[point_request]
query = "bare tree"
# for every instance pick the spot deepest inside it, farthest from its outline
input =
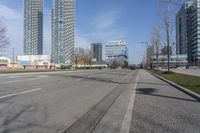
(156, 41)
(150, 52)
(4, 42)
(76, 56)
(83, 55)
(172, 2)
(168, 13)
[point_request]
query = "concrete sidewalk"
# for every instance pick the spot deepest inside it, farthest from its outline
(161, 108)
(193, 72)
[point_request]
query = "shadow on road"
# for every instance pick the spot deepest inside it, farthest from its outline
(107, 79)
(152, 91)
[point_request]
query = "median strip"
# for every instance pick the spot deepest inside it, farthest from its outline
(128, 116)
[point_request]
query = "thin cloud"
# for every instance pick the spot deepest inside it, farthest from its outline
(8, 13)
(81, 41)
(106, 20)
(105, 26)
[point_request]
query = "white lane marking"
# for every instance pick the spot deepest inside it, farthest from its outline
(10, 77)
(128, 116)
(21, 80)
(102, 74)
(14, 81)
(19, 93)
(79, 79)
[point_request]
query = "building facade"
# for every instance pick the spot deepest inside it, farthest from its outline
(33, 27)
(181, 28)
(4, 62)
(34, 61)
(63, 19)
(176, 61)
(116, 51)
(96, 49)
(188, 32)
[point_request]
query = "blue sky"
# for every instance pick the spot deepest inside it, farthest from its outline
(96, 21)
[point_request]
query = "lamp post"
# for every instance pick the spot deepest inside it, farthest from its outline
(13, 51)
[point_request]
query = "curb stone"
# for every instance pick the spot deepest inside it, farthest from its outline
(183, 89)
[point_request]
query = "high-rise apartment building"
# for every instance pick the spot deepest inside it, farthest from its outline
(33, 27)
(63, 19)
(96, 49)
(181, 29)
(188, 32)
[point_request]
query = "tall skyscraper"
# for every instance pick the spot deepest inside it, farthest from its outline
(33, 27)
(63, 19)
(188, 29)
(96, 49)
(181, 28)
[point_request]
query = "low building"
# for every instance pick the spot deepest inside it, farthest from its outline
(16, 65)
(4, 62)
(34, 61)
(92, 64)
(175, 61)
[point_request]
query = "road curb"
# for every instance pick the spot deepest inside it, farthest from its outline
(183, 89)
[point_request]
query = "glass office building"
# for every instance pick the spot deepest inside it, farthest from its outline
(188, 32)
(63, 20)
(181, 29)
(116, 50)
(33, 27)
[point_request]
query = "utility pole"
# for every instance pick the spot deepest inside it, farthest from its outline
(168, 48)
(13, 57)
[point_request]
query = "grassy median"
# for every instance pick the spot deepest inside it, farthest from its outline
(190, 82)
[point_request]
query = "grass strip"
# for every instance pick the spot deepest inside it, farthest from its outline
(190, 82)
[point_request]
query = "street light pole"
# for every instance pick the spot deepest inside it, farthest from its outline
(13, 57)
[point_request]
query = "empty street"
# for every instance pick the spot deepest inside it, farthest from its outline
(98, 101)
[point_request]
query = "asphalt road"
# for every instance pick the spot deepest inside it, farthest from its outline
(97, 101)
(52, 102)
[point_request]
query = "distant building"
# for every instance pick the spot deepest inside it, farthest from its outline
(34, 61)
(116, 51)
(63, 20)
(33, 27)
(181, 28)
(4, 62)
(188, 29)
(175, 61)
(96, 49)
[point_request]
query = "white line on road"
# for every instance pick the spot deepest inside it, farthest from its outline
(79, 79)
(14, 81)
(10, 77)
(128, 116)
(19, 93)
(22, 80)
